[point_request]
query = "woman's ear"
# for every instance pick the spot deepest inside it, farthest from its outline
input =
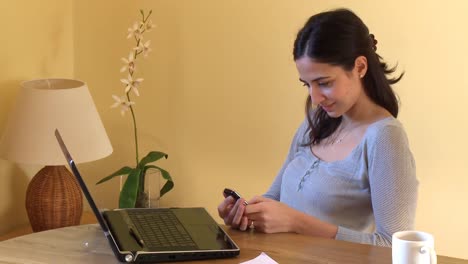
(360, 66)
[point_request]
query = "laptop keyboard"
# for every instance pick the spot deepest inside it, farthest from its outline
(160, 229)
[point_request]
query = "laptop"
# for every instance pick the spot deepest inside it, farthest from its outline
(158, 234)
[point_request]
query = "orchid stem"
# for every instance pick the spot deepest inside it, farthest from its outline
(135, 55)
(134, 131)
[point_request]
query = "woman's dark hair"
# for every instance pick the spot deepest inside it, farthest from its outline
(338, 37)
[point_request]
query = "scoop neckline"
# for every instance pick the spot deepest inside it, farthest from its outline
(355, 149)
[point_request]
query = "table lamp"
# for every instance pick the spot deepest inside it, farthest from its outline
(53, 197)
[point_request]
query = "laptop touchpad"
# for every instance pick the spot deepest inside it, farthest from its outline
(206, 237)
(204, 230)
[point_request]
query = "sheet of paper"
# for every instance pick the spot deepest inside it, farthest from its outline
(263, 258)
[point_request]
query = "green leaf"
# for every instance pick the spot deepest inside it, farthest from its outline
(169, 183)
(123, 171)
(166, 188)
(151, 157)
(129, 191)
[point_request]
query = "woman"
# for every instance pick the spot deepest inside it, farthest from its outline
(349, 174)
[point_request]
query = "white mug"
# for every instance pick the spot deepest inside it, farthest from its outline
(413, 247)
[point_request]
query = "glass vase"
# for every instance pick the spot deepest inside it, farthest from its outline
(148, 196)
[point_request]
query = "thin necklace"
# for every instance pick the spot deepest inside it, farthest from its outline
(339, 139)
(342, 135)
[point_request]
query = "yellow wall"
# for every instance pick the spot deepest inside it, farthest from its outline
(221, 94)
(36, 43)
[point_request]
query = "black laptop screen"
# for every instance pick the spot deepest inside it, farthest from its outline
(77, 174)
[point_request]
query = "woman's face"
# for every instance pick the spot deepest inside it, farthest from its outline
(330, 87)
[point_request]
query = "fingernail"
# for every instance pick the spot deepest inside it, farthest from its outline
(245, 202)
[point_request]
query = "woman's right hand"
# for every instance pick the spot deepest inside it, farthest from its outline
(232, 212)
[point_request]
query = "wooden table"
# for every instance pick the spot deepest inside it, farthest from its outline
(87, 244)
(86, 218)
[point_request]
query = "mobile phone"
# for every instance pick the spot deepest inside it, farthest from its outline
(234, 194)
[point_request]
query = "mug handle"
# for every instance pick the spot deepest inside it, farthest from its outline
(432, 253)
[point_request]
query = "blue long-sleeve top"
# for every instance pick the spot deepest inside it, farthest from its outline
(369, 195)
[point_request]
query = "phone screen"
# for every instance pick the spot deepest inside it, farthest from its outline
(234, 194)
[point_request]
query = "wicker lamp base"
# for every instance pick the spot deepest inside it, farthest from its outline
(53, 199)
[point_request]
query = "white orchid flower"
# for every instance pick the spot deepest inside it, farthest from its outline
(134, 31)
(132, 84)
(123, 103)
(129, 63)
(149, 26)
(145, 48)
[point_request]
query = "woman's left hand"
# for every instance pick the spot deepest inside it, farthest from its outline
(270, 216)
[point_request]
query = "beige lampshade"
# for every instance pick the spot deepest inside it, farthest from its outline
(48, 104)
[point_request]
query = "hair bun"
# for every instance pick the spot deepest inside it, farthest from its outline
(373, 42)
